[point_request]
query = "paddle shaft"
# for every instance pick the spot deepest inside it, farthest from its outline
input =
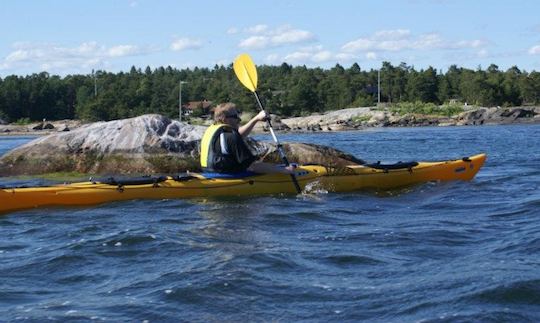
(278, 144)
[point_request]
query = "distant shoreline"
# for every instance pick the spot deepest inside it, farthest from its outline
(39, 128)
(334, 121)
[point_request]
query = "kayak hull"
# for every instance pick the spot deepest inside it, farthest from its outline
(350, 178)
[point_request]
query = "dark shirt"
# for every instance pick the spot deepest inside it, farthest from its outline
(238, 157)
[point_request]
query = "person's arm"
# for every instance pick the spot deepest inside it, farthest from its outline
(268, 168)
(246, 129)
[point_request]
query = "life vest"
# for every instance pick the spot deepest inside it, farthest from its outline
(209, 157)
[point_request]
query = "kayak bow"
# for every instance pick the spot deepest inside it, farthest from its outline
(350, 178)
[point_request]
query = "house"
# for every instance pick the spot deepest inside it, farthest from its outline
(198, 108)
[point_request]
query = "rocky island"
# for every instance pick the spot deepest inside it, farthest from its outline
(157, 144)
(147, 144)
(358, 118)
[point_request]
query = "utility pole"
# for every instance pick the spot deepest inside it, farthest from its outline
(378, 87)
(95, 83)
(180, 100)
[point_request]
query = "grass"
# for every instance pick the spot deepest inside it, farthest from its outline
(23, 121)
(361, 118)
(447, 110)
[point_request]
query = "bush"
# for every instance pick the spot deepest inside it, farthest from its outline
(22, 121)
(418, 107)
(363, 101)
(451, 109)
(359, 119)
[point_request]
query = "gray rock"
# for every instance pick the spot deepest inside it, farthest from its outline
(352, 118)
(3, 122)
(497, 115)
(145, 144)
(311, 154)
(277, 125)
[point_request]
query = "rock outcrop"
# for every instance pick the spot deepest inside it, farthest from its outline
(145, 144)
(40, 128)
(355, 118)
(485, 116)
(277, 125)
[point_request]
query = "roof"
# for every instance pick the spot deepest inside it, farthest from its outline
(194, 105)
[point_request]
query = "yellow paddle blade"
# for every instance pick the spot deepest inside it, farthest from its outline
(246, 71)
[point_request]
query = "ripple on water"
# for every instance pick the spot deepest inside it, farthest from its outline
(344, 260)
(524, 292)
(437, 252)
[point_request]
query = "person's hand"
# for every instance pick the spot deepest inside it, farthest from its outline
(261, 116)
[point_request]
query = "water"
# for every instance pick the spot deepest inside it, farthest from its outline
(447, 252)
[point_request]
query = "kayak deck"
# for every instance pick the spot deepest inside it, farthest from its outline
(350, 178)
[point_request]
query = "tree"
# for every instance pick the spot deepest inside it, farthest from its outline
(422, 86)
(510, 87)
(302, 97)
(530, 88)
(284, 89)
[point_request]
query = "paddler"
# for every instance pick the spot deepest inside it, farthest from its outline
(223, 148)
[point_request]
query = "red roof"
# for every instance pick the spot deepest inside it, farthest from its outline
(194, 105)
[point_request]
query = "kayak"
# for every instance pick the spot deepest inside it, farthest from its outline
(189, 185)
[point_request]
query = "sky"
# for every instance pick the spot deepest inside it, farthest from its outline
(65, 37)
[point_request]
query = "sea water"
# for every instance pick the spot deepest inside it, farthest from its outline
(438, 252)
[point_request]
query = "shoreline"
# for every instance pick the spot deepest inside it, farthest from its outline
(349, 119)
(39, 128)
(292, 131)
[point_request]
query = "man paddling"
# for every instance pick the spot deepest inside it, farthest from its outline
(223, 149)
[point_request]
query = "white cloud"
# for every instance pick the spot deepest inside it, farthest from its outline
(257, 29)
(483, 53)
(18, 56)
(232, 31)
(181, 44)
(345, 57)
(371, 55)
(280, 36)
(54, 57)
(322, 56)
(273, 59)
(316, 55)
(292, 36)
(470, 43)
(403, 39)
(255, 42)
(358, 45)
(535, 50)
(427, 41)
(396, 34)
(297, 57)
(123, 50)
(310, 55)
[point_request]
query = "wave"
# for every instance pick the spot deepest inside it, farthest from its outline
(523, 292)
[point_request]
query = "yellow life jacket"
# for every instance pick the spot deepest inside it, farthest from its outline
(208, 155)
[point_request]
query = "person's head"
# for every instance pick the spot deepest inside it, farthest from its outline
(228, 114)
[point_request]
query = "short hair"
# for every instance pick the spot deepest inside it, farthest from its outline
(223, 110)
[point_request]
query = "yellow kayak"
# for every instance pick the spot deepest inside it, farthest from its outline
(350, 178)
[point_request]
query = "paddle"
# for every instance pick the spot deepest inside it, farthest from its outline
(246, 72)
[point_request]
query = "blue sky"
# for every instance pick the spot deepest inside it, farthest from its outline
(73, 37)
